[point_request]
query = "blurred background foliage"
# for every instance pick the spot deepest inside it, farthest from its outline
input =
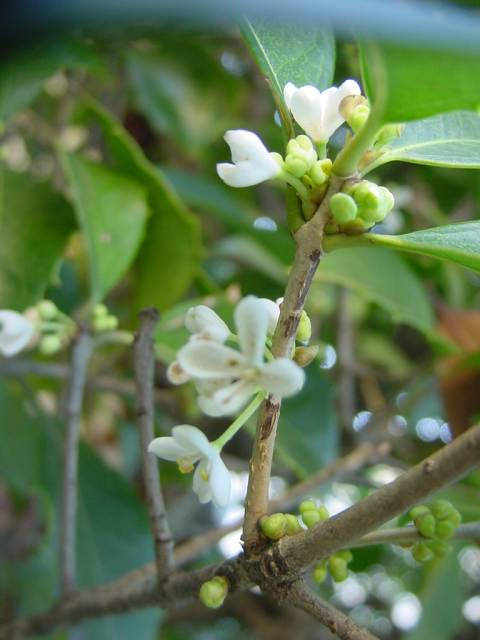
(109, 193)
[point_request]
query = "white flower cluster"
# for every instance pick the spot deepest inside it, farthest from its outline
(225, 379)
(318, 113)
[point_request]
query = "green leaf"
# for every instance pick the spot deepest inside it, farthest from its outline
(449, 140)
(307, 434)
(172, 246)
(408, 83)
(112, 212)
(35, 223)
(291, 53)
(458, 243)
(382, 277)
(22, 76)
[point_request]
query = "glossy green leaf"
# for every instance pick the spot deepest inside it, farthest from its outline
(291, 53)
(35, 223)
(380, 276)
(408, 83)
(449, 140)
(172, 245)
(112, 212)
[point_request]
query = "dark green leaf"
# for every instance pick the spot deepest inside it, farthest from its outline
(112, 212)
(35, 224)
(380, 276)
(449, 140)
(173, 245)
(291, 53)
(408, 83)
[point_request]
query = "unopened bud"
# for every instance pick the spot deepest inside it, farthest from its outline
(440, 548)
(311, 518)
(419, 510)
(302, 148)
(304, 331)
(307, 505)
(296, 166)
(345, 554)
(100, 310)
(422, 553)
(303, 356)
(444, 529)
(349, 104)
(425, 525)
(213, 592)
(47, 310)
(441, 509)
(275, 526)
(338, 568)
(320, 572)
(388, 133)
(359, 117)
(293, 525)
(343, 208)
(50, 344)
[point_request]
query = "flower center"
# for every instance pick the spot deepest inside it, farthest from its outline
(250, 374)
(185, 465)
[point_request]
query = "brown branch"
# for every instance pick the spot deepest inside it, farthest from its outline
(307, 258)
(338, 623)
(81, 352)
(340, 531)
(144, 365)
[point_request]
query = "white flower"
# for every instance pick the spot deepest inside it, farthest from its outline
(273, 310)
(15, 332)
(204, 324)
(252, 162)
(318, 112)
(245, 372)
(189, 446)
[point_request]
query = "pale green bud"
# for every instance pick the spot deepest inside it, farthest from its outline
(349, 105)
(338, 568)
(388, 133)
(303, 356)
(317, 174)
(417, 511)
(440, 548)
(455, 518)
(302, 148)
(323, 512)
(345, 554)
(359, 117)
(47, 310)
(343, 208)
(320, 572)
(296, 166)
(444, 529)
(304, 331)
(50, 344)
(293, 525)
(275, 526)
(213, 592)
(422, 553)
(311, 518)
(100, 310)
(307, 505)
(425, 524)
(111, 323)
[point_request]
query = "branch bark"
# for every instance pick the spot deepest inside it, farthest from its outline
(307, 258)
(81, 352)
(340, 624)
(144, 365)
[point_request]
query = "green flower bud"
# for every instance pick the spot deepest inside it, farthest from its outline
(303, 356)
(213, 592)
(388, 133)
(441, 509)
(359, 117)
(440, 548)
(296, 166)
(302, 148)
(345, 554)
(349, 105)
(418, 511)
(343, 208)
(323, 512)
(111, 323)
(47, 310)
(293, 525)
(304, 331)
(425, 524)
(422, 553)
(320, 572)
(307, 505)
(275, 526)
(338, 568)
(444, 529)
(455, 518)
(100, 311)
(50, 344)
(311, 518)
(317, 174)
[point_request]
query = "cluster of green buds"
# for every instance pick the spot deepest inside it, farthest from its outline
(312, 513)
(213, 592)
(356, 109)
(359, 207)
(302, 161)
(279, 525)
(103, 320)
(337, 565)
(55, 328)
(437, 523)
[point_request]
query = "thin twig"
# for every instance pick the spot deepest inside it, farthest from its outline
(410, 535)
(340, 624)
(144, 365)
(81, 352)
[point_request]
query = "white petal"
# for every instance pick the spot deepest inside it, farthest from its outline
(282, 377)
(220, 482)
(210, 407)
(204, 321)
(332, 119)
(246, 145)
(253, 163)
(251, 320)
(307, 109)
(273, 311)
(288, 92)
(200, 486)
(234, 396)
(206, 359)
(15, 332)
(192, 439)
(175, 373)
(246, 173)
(168, 449)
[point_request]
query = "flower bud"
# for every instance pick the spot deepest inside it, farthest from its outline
(441, 509)
(323, 512)
(338, 568)
(304, 331)
(419, 510)
(425, 524)
(320, 572)
(111, 323)
(345, 554)
(359, 117)
(440, 548)
(303, 356)
(422, 553)
(100, 310)
(275, 526)
(47, 310)
(293, 525)
(296, 166)
(213, 592)
(388, 133)
(349, 104)
(302, 148)
(343, 208)
(455, 518)
(307, 505)
(50, 344)
(311, 518)
(444, 529)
